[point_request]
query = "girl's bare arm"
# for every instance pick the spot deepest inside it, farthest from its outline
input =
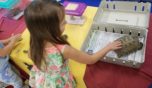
(85, 58)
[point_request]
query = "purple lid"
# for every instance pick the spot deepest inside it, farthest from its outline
(74, 8)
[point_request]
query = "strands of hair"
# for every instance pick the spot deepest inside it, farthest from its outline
(43, 21)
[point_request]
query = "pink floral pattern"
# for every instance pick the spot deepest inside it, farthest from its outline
(57, 74)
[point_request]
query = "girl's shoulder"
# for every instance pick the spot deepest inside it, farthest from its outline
(56, 48)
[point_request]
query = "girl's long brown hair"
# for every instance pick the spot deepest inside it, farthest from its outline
(43, 18)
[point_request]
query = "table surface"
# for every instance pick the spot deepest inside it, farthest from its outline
(76, 36)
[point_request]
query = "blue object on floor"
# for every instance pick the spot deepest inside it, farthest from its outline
(125, 0)
(151, 7)
(146, 1)
(88, 2)
(150, 86)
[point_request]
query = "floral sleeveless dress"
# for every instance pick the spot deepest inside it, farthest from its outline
(56, 75)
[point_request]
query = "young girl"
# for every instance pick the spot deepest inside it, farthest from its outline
(7, 75)
(49, 51)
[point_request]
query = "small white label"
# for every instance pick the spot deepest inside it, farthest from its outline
(71, 6)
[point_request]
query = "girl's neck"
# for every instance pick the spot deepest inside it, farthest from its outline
(48, 45)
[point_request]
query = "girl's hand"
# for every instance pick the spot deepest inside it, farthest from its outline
(15, 38)
(114, 45)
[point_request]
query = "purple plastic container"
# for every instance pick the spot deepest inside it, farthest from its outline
(74, 8)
